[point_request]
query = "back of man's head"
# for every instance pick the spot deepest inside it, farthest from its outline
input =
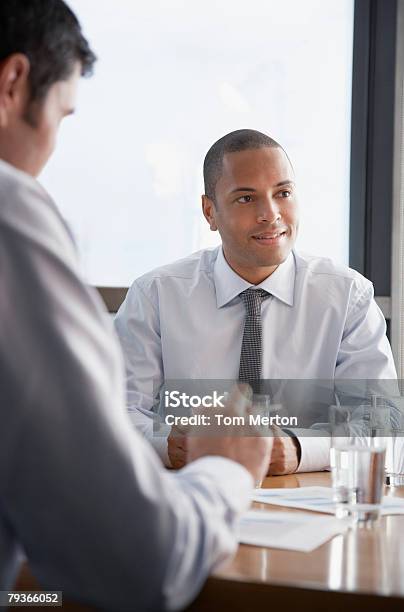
(48, 33)
(240, 140)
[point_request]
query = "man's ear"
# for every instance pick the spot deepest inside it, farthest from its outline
(209, 211)
(14, 71)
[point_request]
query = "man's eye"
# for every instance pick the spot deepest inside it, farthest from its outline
(245, 199)
(286, 193)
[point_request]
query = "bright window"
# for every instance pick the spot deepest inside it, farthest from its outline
(172, 78)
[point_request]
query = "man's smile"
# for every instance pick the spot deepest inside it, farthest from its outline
(270, 238)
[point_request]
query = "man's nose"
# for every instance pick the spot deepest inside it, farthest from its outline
(268, 210)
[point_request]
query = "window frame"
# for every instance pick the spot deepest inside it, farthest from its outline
(372, 144)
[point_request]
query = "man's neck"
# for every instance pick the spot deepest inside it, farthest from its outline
(255, 276)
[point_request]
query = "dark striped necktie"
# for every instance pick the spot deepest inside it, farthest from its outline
(251, 348)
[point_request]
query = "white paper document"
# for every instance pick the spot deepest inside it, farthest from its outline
(289, 530)
(317, 499)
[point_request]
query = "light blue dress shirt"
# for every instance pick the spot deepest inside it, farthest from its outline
(185, 321)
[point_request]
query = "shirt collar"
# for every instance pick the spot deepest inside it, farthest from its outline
(228, 284)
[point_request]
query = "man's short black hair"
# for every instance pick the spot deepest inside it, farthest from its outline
(49, 34)
(240, 140)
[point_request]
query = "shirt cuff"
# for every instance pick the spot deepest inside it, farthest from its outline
(315, 453)
(144, 424)
(160, 445)
(235, 482)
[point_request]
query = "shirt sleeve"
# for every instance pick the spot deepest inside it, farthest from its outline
(364, 355)
(365, 352)
(138, 327)
(84, 493)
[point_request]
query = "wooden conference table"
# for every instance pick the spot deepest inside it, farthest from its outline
(361, 570)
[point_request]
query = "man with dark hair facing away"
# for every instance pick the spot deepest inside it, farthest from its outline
(81, 493)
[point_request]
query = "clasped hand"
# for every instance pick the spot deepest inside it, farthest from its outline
(284, 457)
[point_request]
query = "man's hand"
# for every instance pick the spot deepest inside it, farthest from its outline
(177, 445)
(285, 454)
(249, 449)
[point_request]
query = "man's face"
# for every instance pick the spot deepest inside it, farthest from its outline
(28, 134)
(256, 211)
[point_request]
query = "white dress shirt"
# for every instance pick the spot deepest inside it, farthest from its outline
(185, 321)
(81, 491)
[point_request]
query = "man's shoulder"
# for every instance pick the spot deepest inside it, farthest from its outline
(328, 270)
(19, 195)
(185, 269)
(29, 217)
(14, 181)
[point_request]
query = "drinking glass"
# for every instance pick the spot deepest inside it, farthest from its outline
(395, 449)
(261, 405)
(387, 423)
(357, 459)
(340, 447)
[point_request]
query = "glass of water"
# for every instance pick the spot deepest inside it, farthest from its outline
(395, 450)
(357, 459)
(261, 406)
(387, 423)
(340, 448)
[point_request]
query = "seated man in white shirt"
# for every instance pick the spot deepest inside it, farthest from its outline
(81, 493)
(187, 320)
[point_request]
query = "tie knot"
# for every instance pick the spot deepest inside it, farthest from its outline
(252, 299)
